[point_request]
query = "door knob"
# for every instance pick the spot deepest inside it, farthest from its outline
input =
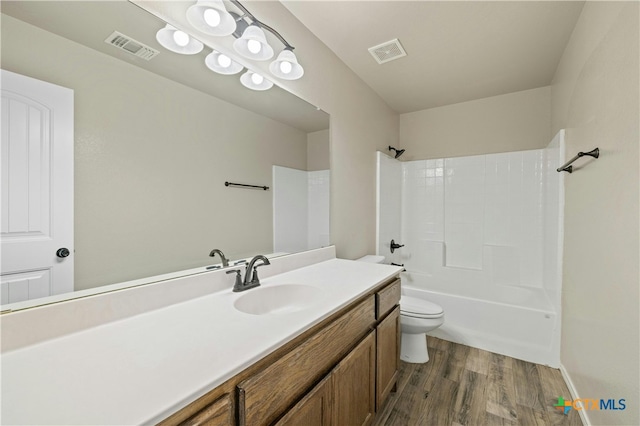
(62, 252)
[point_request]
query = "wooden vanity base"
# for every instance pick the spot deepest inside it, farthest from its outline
(338, 372)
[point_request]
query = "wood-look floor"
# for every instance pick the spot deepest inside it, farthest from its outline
(468, 386)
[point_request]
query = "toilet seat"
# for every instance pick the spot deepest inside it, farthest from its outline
(419, 308)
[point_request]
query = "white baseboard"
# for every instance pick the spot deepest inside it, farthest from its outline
(574, 394)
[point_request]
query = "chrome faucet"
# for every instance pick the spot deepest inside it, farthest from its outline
(248, 282)
(225, 261)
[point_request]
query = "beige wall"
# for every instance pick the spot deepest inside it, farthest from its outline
(151, 159)
(511, 122)
(318, 150)
(595, 96)
(361, 122)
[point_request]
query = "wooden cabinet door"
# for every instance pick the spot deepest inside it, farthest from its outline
(313, 410)
(353, 382)
(265, 396)
(387, 355)
(218, 413)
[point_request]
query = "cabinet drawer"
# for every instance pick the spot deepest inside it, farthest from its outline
(265, 396)
(387, 298)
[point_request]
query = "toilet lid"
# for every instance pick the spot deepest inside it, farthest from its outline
(420, 308)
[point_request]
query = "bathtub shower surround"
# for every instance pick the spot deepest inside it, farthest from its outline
(482, 239)
(300, 209)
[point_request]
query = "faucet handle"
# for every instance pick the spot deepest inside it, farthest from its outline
(238, 285)
(254, 277)
(254, 281)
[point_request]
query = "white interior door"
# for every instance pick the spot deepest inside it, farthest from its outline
(37, 188)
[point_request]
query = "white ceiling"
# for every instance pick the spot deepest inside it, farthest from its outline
(456, 50)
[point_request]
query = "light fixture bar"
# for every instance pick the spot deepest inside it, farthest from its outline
(261, 24)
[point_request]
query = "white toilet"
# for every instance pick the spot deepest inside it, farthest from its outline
(417, 318)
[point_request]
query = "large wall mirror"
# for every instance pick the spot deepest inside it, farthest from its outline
(155, 141)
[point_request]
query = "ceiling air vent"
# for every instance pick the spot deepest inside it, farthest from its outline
(130, 45)
(388, 51)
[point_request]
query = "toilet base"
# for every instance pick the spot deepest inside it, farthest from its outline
(413, 348)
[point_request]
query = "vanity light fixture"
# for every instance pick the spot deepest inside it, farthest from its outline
(211, 17)
(251, 41)
(222, 64)
(253, 44)
(178, 41)
(286, 66)
(255, 81)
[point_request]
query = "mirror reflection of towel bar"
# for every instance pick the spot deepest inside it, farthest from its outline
(567, 167)
(242, 185)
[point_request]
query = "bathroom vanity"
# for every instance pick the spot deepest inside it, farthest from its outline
(317, 344)
(338, 372)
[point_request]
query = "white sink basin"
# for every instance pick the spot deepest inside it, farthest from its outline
(278, 299)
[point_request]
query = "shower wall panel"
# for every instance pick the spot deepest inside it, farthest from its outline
(318, 208)
(300, 209)
(464, 205)
(290, 210)
(487, 213)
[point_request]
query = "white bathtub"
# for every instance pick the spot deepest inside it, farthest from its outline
(515, 321)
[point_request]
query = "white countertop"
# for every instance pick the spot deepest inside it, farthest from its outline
(141, 369)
